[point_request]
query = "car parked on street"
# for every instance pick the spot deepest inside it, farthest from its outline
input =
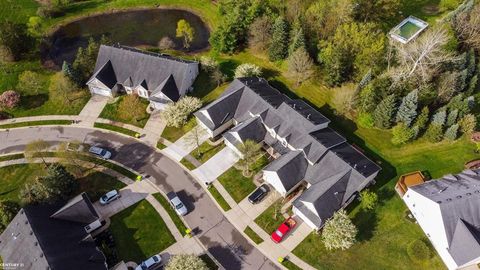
(103, 153)
(109, 197)
(150, 263)
(177, 204)
(283, 229)
(259, 193)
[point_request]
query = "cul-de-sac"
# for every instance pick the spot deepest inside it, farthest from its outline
(239, 134)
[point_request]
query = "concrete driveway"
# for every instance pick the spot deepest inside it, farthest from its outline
(216, 165)
(129, 195)
(92, 109)
(208, 223)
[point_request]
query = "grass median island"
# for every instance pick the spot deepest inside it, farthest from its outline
(253, 235)
(218, 197)
(271, 218)
(237, 185)
(114, 128)
(139, 232)
(12, 157)
(172, 133)
(171, 212)
(161, 146)
(128, 109)
(290, 265)
(185, 162)
(37, 123)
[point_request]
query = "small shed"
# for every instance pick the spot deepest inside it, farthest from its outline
(408, 180)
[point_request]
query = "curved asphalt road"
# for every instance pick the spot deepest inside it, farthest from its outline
(216, 233)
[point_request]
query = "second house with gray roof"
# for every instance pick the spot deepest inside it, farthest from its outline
(306, 151)
(157, 77)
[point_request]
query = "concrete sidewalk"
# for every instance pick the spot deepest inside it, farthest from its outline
(153, 128)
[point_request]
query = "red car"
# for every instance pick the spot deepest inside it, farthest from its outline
(283, 229)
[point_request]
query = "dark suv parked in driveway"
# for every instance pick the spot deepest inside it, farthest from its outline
(259, 194)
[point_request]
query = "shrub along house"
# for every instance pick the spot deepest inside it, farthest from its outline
(305, 149)
(53, 236)
(159, 78)
(448, 211)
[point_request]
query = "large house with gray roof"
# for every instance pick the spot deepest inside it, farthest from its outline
(306, 151)
(448, 211)
(52, 236)
(160, 78)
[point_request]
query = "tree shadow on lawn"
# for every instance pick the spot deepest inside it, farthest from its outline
(33, 101)
(126, 244)
(366, 221)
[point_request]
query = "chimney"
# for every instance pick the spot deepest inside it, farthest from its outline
(308, 116)
(294, 105)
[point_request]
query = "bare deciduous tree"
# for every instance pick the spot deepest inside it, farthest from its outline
(35, 149)
(300, 66)
(194, 138)
(260, 33)
(467, 26)
(422, 58)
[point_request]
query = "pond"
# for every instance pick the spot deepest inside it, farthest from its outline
(138, 28)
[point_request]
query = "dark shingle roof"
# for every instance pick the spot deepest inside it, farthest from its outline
(137, 67)
(168, 88)
(458, 197)
(78, 209)
(355, 159)
(251, 129)
(290, 168)
(465, 245)
(106, 75)
(61, 243)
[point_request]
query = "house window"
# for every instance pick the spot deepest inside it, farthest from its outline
(284, 143)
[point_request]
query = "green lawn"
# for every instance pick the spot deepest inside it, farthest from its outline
(37, 123)
(205, 151)
(42, 102)
(112, 112)
(187, 164)
(11, 157)
(160, 145)
(171, 212)
(114, 128)
(139, 232)
(14, 177)
(290, 265)
(237, 185)
(18, 10)
(218, 197)
(270, 219)
(253, 235)
(172, 133)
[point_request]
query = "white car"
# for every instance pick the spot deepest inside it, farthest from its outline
(177, 204)
(100, 152)
(109, 197)
(150, 263)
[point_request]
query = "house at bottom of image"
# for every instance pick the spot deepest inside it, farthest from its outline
(159, 78)
(448, 211)
(305, 150)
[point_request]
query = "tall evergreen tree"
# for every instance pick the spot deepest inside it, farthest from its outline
(383, 114)
(439, 118)
(422, 119)
(279, 46)
(408, 108)
(451, 133)
(297, 38)
(452, 117)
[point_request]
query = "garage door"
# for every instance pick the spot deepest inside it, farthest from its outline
(101, 91)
